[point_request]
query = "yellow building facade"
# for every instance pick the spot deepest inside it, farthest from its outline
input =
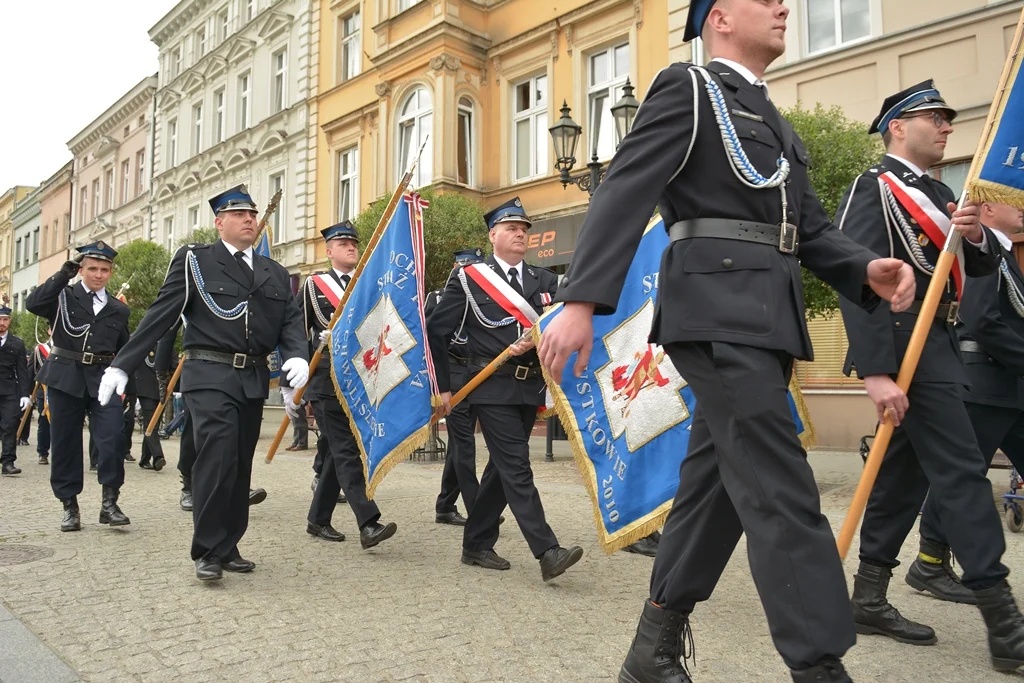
(7, 202)
(480, 82)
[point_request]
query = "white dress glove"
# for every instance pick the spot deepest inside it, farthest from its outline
(297, 372)
(114, 381)
(325, 338)
(25, 402)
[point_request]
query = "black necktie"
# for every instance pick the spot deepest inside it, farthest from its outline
(345, 279)
(246, 270)
(513, 280)
(764, 90)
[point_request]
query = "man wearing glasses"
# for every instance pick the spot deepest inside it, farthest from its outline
(896, 209)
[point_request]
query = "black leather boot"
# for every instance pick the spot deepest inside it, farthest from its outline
(1005, 626)
(932, 572)
(110, 513)
(662, 638)
(828, 671)
(872, 613)
(186, 492)
(72, 518)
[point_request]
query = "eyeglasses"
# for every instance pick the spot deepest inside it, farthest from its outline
(938, 118)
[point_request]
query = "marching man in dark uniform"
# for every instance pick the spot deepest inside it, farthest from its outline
(490, 304)
(89, 327)
(239, 307)
(459, 474)
(991, 334)
(342, 467)
(896, 209)
(147, 390)
(15, 389)
(730, 315)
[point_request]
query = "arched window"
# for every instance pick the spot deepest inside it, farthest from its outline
(465, 141)
(415, 122)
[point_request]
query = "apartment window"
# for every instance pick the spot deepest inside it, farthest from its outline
(16, 308)
(142, 121)
(351, 50)
(250, 9)
(414, 124)
(193, 219)
(17, 253)
(244, 99)
(197, 128)
(175, 60)
(609, 70)
(46, 237)
(348, 183)
(222, 25)
(954, 175)
(280, 94)
(126, 179)
(831, 23)
(218, 116)
(66, 232)
(84, 205)
(406, 4)
(465, 141)
(169, 232)
(140, 171)
(108, 186)
(201, 42)
(172, 143)
(35, 245)
(530, 128)
(127, 130)
(95, 197)
(276, 224)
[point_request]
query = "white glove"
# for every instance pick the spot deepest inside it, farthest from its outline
(114, 381)
(325, 338)
(25, 402)
(297, 372)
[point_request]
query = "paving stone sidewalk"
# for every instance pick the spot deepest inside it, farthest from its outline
(123, 604)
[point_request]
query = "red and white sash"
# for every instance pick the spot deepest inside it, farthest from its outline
(327, 286)
(44, 351)
(511, 301)
(933, 221)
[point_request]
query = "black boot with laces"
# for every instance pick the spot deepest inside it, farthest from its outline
(662, 644)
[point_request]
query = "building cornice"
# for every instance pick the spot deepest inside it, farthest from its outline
(126, 106)
(175, 20)
(439, 29)
(56, 182)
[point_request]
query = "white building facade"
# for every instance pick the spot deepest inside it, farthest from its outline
(232, 109)
(27, 225)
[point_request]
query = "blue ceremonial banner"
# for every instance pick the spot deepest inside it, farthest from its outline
(380, 364)
(628, 417)
(997, 174)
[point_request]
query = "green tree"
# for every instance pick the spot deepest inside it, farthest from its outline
(143, 265)
(23, 325)
(840, 150)
(199, 236)
(451, 222)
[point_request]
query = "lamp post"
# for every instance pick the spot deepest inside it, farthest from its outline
(566, 135)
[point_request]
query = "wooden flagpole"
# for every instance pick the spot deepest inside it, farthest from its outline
(28, 411)
(924, 322)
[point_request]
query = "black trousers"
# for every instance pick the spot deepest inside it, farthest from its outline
(322, 447)
(226, 429)
(342, 468)
(187, 445)
(151, 447)
(993, 427)
(460, 463)
(507, 480)
(935, 448)
(300, 428)
(10, 418)
(27, 432)
(129, 422)
(43, 430)
(106, 431)
(746, 471)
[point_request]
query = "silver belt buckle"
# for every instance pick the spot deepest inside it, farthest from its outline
(954, 310)
(525, 370)
(87, 358)
(787, 238)
(238, 361)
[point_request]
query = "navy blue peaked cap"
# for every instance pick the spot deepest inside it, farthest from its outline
(340, 231)
(465, 257)
(512, 210)
(235, 199)
(699, 11)
(98, 250)
(920, 97)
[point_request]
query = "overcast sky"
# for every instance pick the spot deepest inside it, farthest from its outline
(65, 62)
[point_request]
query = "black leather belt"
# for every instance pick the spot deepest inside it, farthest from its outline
(236, 360)
(974, 354)
(783, 238)
(520, 372)
(946, 312)
(83, 358)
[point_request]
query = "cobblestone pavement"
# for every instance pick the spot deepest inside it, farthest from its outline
(123, 604)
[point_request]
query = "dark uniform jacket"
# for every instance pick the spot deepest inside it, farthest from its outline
(988, 317)
(144, 378)
(879, 339)
(272, 319)
(14, 377)
(712, 289)
(484, 343)
(107, 333)
(312, 299)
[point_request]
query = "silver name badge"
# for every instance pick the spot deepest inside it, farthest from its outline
(748, 115)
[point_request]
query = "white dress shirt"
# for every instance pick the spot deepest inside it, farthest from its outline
(505, 268)
(246, 254)
(743, 71)
(337, 272)
(3, 338)
(98, 301)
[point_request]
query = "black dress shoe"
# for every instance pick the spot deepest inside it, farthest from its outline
(208, 569)
(72, 518)
(9, 468)
(256, 496)
(186, 500)
(238, 566)
(373, 533)
(488, 559)
(829, 671)
(145, 465)
(556, 560)
(453, 518)
(23, 442)
(44, 460)
(92, 467)
(159, 464)
(645, 546)
(110, 513)
(128, 457)
(341, 498)
(326, 532)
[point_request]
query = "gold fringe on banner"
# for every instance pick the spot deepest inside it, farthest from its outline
(996, 193)
(809, 437)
